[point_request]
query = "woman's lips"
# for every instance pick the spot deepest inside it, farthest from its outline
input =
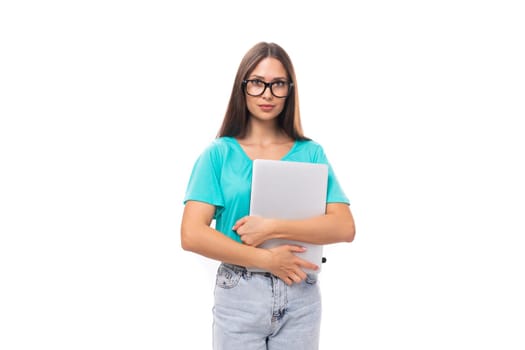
(266, 108)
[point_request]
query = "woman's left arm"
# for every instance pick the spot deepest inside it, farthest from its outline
(337, 225)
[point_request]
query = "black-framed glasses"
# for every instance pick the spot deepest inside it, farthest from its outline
(257, 87)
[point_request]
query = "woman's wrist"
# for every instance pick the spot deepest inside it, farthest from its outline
(262, 259)
(273, 228)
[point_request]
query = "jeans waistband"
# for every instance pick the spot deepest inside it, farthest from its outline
(245, 271)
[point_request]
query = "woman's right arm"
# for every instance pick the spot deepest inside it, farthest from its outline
(197, 236)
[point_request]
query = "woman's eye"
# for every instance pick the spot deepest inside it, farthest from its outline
(279, 83)
(257, 82)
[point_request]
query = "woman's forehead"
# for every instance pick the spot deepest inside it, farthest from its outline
(269, 67)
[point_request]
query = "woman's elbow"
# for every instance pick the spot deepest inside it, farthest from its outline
(348, 232)
(187, 240)
(344, 222)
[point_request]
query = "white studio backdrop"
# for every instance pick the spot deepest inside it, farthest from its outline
(105, 105)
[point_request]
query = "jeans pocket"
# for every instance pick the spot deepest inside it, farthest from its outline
(227, 277)
(311, 279)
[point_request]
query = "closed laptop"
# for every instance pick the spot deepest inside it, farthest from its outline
(290, 190)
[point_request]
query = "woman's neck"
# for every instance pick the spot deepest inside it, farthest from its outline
(264, 133)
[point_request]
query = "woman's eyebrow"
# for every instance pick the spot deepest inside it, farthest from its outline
(262, 78)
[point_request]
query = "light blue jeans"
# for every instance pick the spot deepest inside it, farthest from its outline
(258, 311)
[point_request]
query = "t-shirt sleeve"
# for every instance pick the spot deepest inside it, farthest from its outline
(335, 193)
(204, 182)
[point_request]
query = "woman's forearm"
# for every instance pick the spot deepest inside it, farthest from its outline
(210, 243)
(333, 227)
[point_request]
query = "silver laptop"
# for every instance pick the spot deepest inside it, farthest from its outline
(290, 190)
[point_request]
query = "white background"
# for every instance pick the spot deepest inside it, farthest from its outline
(105, 105)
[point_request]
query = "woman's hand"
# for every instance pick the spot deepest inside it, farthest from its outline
(253, 230)
(284, 264)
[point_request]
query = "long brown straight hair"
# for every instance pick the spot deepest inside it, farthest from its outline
(235, 120)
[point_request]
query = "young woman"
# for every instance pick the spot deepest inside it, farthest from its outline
(280, 309)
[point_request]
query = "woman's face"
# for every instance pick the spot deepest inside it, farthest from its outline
(267, 106)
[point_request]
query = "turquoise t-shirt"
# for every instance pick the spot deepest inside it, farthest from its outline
(222, 177)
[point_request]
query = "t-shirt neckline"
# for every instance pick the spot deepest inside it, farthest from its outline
(238, 145)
